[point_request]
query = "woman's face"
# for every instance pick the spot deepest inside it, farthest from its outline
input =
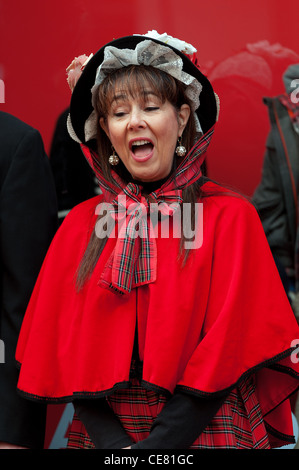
(144, 133)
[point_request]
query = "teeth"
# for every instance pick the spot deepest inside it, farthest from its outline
(141, 142)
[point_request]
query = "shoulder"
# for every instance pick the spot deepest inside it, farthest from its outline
(277, 107)
(217, 196)
(223, 207)
(11, 125)
(230, 220)
(18, 138)
(76, 229)
(83, 213)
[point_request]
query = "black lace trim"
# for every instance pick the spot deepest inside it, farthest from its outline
(75, 395)
(136, 372)
(270, 364)
(279, 435)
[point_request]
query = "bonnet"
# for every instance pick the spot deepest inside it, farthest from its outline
(164, 52)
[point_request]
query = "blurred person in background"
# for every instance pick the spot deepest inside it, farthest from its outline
(276, 197)
(28, 221)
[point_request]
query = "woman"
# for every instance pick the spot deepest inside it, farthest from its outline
(152, 313)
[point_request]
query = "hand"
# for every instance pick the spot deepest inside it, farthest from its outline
(7, 445)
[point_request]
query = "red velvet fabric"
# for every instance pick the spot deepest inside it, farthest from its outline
(202, 327)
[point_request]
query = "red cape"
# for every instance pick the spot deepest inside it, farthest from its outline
(201, 328)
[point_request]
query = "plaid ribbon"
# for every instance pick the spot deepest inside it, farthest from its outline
(133, 261)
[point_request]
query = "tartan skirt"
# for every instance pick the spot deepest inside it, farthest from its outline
(238, 424)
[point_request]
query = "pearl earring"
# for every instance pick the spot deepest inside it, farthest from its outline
(180, 150)
(113, 159)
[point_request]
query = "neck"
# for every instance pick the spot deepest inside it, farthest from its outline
(150, 186)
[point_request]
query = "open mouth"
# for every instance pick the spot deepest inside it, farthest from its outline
(142, 149)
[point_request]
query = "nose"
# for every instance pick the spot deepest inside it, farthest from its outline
(136, 119)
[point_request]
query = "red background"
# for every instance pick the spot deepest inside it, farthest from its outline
(38, 39)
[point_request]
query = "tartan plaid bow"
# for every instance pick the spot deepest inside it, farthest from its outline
(133, 261)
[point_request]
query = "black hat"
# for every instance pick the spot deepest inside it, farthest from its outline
(81, 102)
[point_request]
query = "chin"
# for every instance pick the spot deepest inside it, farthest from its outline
(147, 180)
(144, 178)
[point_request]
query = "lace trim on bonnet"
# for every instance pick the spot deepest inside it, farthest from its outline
(146, 52)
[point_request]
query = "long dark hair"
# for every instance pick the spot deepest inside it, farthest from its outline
(135, 81)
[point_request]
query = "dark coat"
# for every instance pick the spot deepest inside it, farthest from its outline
(28, 221)
(277, 194)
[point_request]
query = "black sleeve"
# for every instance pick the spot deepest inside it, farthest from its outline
(28, 221)
(178, 425)
(102, 425)
(180, 422)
